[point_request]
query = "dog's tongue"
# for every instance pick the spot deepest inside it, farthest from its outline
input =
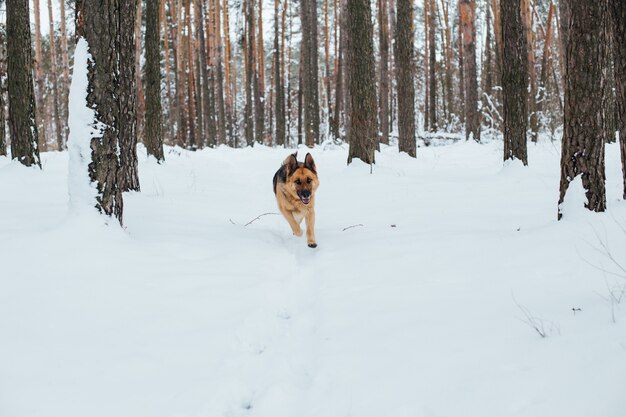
(306, 200)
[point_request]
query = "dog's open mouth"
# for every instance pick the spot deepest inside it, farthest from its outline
(305, 200)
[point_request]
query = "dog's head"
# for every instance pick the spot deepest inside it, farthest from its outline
(302, 178)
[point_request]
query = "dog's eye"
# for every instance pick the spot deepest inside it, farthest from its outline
(308, 180)
(298, 182)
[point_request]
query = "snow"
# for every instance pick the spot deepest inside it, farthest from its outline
(83, 126)
(421, 309)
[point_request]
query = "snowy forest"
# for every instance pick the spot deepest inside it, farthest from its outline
(466, 261)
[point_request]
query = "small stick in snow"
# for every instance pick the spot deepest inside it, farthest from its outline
(257, 218)
(350, 227)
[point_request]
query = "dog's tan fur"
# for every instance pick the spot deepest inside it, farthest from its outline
(293, 181)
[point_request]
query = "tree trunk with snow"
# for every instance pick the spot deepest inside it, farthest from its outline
(21, 92)
(109, 31)
(363, 133)
(514, 79)
(583, 134)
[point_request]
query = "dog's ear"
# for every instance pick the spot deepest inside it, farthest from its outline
(309, 163)
(291, 164)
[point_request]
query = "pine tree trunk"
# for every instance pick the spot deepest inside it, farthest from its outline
(404, 78)
(527, 20)
(310, 95)
(108, 29)
(249, 65)
(172, 103)
(383, 73)
(583, 135)
(220, 111)
(432, 64)
(3, 101)
(514, 78)
(230, 82)
(618, 14)
(198, 46)
(279, 95)
(182, 137)
(127, 96)
(21, 93)
(58, 130)
(154, 117)
(448, 61)
(467, 12)
(545, 62)
(363, 127)
(66, 70)
(140, 110)
(461, 69)
(41, 115)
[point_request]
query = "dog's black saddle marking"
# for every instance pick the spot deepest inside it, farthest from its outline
(280, 176)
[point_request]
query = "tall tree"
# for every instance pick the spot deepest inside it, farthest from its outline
(527, 22)
(309, 50)
(41, 115)
(383, 71)
(140, 110)
(467, 13)
(514, 78)
(127, 95)
(3, 90)
(363, 132)
(404, 78)
(249, 70)
(279, 92)
(618, 14)
(432, 64)
(65, 61)
(108, 28)
(21, 94)
(583, 134)
(154, 118)
(58, 130)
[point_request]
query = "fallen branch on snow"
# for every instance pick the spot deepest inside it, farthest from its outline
(350, 227)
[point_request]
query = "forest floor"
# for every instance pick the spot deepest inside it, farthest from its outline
(442, 286)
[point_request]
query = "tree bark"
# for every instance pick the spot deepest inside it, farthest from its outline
(154, 117)
(514, 79)
(404, 78)
(58, 130)
(41, 115)
(432, 64)
(467, 12)
(3, 87)
(108, 28)
(583, 135)
(21, 94)
(127, 96)
(618, 14)
(383, 73)
(249, 70)
(140, 104)
(279, 93)
(66, 69)
(363, 127)
(310, 95)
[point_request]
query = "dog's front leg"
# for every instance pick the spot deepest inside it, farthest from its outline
(310, 229)
(295, 227)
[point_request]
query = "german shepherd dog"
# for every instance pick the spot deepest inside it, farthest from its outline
(294, 185)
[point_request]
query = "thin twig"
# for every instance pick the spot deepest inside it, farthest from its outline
(257, 218)
(350, 227)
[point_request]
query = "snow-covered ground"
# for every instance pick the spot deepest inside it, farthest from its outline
(425, 307)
